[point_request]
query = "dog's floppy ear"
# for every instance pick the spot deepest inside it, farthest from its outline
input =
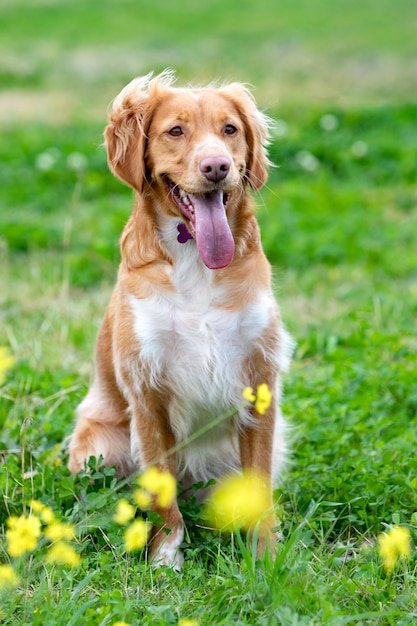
(130, 117)
(257, 134)
(125, 136)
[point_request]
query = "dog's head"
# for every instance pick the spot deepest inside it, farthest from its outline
(195, 148)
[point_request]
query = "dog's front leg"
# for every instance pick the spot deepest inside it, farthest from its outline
(256, 452)
(168, 537)
(152, 438)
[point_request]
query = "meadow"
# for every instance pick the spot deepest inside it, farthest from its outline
(339, 224)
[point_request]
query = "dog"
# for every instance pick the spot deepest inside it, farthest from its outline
(192, 320)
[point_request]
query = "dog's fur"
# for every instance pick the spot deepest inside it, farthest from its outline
(189, 325)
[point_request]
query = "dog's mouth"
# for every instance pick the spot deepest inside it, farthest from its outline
(207, 222)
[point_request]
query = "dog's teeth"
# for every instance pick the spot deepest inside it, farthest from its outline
(186, 202)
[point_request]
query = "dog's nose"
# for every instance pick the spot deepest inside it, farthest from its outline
(215, 168)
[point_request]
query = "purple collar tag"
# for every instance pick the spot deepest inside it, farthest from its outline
(183, 234)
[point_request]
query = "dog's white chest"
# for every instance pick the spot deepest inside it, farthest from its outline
(193, 346)
(197, 348)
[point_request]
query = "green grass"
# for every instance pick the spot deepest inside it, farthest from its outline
(339, 223)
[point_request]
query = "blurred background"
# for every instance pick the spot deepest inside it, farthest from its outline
(65, 59)
(338, 215)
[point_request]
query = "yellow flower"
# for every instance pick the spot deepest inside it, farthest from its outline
(394, 545)
(22, 535)
(52, 458)
(124, 512)
(136, 536)
(249, 394)
(57, 531)
(45, 512)
(47, 515)
(36, 506)
(187, 621)
(160, 484)
(8, 577)
(64, 554)
(7, 361)
(239, 502)
(142, 498)
(120, 624)
(261, 399)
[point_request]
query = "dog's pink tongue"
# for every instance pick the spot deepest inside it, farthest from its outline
(213, 236)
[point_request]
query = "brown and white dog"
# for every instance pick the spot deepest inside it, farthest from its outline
(192, 319)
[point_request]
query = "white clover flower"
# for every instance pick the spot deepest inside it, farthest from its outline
(76, 161)
(359, 149)
(329, 122)
(45, 161)
(307, 161)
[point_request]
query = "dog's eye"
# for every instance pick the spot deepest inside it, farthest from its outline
(229, 129)
(176, 131)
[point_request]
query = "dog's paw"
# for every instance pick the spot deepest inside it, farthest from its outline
(167, 556)
(169, 552)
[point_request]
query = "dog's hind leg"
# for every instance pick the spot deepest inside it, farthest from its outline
(102, 430)
(103, 423)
